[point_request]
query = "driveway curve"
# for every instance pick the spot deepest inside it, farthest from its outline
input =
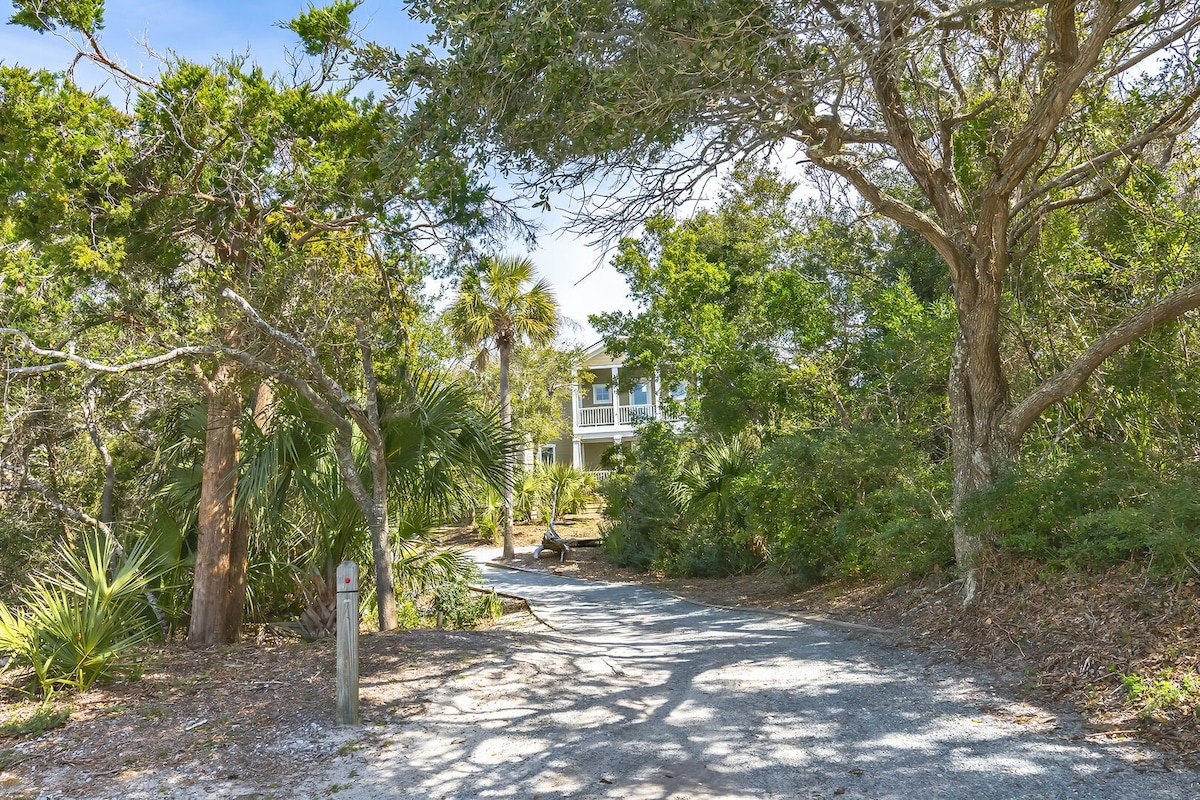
(634, 694)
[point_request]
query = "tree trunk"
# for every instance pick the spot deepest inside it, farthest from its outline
(377, 511)
(263, 406)
(381, 551)
(978, 396)
(510, 550)
(210, 591)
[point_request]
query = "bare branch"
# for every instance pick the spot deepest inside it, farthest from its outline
(1074, 376)
(13, 471)
(67, 359)
(329, 388)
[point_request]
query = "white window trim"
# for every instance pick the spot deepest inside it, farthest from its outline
(596, 387)
(644, 387)
(552, 449)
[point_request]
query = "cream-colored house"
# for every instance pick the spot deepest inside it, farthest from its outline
(606, 412)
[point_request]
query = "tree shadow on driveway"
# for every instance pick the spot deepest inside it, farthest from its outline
(636, 694)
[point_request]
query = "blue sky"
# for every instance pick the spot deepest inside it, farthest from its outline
(199, 30)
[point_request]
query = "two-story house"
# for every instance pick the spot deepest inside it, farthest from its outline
(605, 413)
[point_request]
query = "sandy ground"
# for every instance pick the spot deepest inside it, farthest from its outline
(529, 709)
(634, 694)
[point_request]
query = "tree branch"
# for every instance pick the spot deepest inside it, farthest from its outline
(64, 359)
(1062, 385)
(329, 387)
(10, 468)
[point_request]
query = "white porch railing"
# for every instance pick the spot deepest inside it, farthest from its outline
(602, 416)
(631, 415)
(595, 417)
(600, 474)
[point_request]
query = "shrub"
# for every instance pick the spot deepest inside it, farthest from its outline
(716, 541)
(858, 502)
(863, 502)
(1093, 507)
(456, 606)
(76, 622)
(563, 489)
(645, 522)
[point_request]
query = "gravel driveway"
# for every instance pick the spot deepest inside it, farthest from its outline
(633, 694)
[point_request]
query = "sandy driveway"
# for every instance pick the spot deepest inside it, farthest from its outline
(633, 694)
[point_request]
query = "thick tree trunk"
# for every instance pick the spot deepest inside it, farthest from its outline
(210, 591)
(239, 546)
(979, 399)
(510, 550)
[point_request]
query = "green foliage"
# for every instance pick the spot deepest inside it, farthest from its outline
(565, 489)
(76, 622)
(863, 502)
(728, 306)
(859, 503)
(324, 28)
(43, 718)
(1094, 507)
(456, 606)
(707, 489)
(644, 528)
(1163, 693)
(500, 303)
(86, 16)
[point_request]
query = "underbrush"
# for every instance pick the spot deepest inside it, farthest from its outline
(1093, 508)
(863, 503)
(868, 502)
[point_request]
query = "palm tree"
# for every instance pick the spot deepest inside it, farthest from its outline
(501, 303)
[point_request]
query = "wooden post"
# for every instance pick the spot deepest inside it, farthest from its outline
(347, 643)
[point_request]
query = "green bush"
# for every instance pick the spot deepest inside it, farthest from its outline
(860, 502)
(716, 540)
(77, 622)
(864, 502)
(1093, 507)
(456, 606)
(645, 524)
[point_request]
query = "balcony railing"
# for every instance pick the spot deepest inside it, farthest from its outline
(632, 415)
(602, 416)
(595, 417)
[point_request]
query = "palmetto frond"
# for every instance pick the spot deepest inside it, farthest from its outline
(708, 482)
(500, 302)
(436, 442)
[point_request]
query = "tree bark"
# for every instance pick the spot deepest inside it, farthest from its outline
(262, 406)
(377, 518)
(510, 550)
(978, 396)
(210, 590)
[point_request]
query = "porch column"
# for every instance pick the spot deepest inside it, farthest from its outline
(577, 453)
(575, 404)
(657, 396)
(616, 398)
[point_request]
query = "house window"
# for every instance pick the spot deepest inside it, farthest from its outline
(641, 394)
(601, 393)
(547, 454)
(678, 391)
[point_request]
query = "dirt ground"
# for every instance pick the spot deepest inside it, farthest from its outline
(254, 719)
